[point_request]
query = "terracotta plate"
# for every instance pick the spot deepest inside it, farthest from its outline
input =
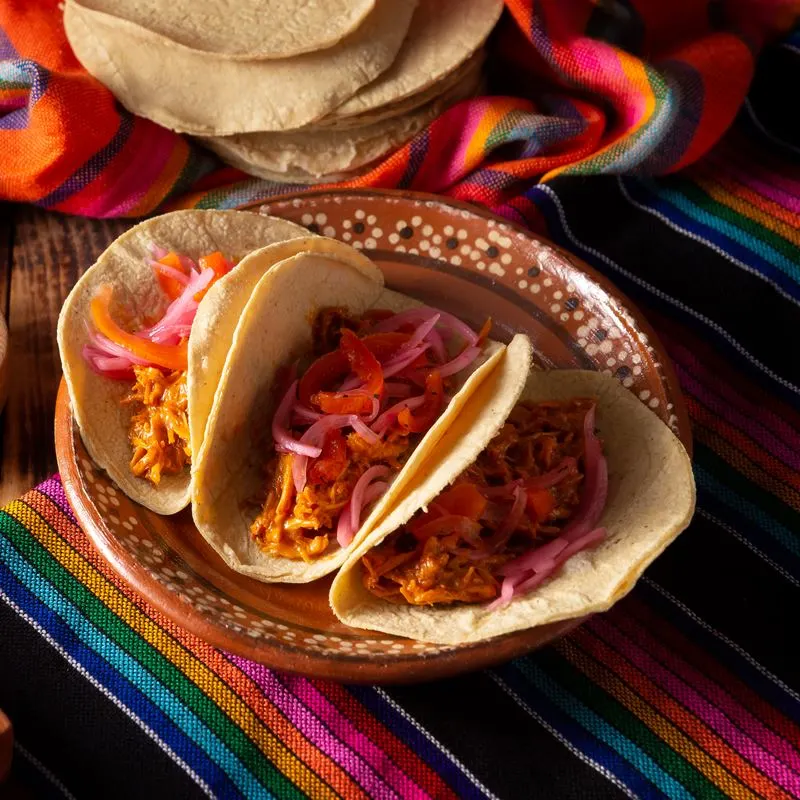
(452, 256)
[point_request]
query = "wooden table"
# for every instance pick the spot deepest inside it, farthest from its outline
(42, 254)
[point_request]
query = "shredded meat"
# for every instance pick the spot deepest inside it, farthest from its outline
(159, 428)
(327, 328)
(460, 563)
(293, 525)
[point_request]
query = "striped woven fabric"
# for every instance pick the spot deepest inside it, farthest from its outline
(687, 688)
(578, 87)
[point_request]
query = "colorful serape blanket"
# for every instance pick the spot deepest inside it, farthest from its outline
(689, 686)
(578, 87)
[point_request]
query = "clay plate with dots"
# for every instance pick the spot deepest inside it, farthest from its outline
(453, 256)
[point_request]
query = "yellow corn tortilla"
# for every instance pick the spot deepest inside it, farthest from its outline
(192, 92)
(218, 316)
(467, 78)
(246, 29)
(328, 153)
(443, 35)
(95, 400)
(651, 499)
(228, 474)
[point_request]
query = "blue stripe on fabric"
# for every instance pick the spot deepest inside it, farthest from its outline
(740, 244)
(577, 735)
(416, 156)
(708, 483)
(654, 297)
(92, 168)
(133, 671)
(417, 741)
(113, 681)
(598, 727)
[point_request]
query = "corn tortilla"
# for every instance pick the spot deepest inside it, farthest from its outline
(651, 499)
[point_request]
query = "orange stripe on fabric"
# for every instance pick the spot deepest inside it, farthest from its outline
(238, 681)
(766, 212)
(723, 447)
(166, 180)
(697, 730)
(755, 452)
(669, 636)
(638, 73)
(232, 674)
(661, 727)
(241, 683)
(278, 752)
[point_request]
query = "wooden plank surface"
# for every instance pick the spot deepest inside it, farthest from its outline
(45, 254)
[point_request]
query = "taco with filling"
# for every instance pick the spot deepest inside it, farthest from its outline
(145, 332)
(334, 390)
(551, 513)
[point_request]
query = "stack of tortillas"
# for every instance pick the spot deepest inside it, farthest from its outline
(292, 90)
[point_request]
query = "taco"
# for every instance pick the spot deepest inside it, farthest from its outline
(548, 514)
(334, 390)
(144, 334)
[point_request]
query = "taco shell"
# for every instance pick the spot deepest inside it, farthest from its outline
(274, 330)
(651, 498)
(95, 399)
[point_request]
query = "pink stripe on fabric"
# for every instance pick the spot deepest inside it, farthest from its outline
(760, 416)
(601, 61)
(476, 111)
(331, 732)
(347, 731)
(746, 734)
(739, 740)
(783, 450)
(768, 190)
(313, 728)
(136, 179)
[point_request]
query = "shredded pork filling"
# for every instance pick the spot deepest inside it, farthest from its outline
(159, 427)
(300, 525)
(443, 556)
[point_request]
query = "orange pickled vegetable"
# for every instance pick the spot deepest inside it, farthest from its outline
(163, 355)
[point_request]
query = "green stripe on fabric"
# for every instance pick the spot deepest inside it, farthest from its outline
(748, 499)
(152, 660)
(704, 202)
(562, 671)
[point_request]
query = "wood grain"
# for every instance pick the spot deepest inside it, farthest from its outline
(48, 252)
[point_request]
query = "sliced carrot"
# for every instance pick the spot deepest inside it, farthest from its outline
(162, 355)
(214, 261)
(170, 286)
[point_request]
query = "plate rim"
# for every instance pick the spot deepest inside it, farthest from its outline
(312, 664)
(680, 409)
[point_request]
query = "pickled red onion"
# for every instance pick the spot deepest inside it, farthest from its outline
(180, 311)
(390, 415)
(437, 345)
(357, 499)
(280, 430)
(525, 573)
(399, 362)
(421, 333)
(451, 324)
(461, 361)
(315, 436)
(170, 272)
(554, 477)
